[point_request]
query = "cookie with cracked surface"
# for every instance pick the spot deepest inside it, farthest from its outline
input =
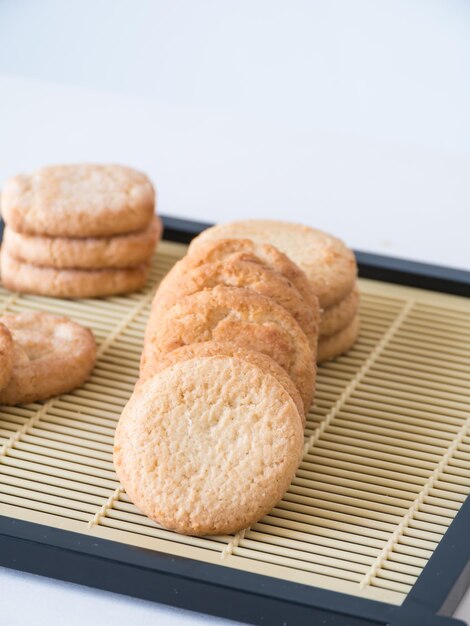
(328, 263)
(242, 317)
(208, 445)
(216, 348)
(48, 281)
(6, 355)
(237, 273)
(338, 316)
(201, 252)
(84, 200)
(52, 355)
(339, 343)
(120, 251)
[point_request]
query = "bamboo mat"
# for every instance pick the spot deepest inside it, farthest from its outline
(387, 446)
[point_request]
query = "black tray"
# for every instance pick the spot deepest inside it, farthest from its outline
(243, 596)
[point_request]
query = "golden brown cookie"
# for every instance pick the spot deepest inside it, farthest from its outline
(334, 345)
(208, 445)
(247, 250)
(336, 317)
(6, 356)
(52, 355)
(236, 273)
(216, 348)
(83, 200)
(243, 317)
(328, 263)
(120, 251)
(47, 281)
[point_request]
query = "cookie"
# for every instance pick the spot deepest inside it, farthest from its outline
(242, 317)
(79, 201)
(328, 263)
(6, 355)
(336, 317)
(201, 252)
(334, 345)
(52, 355)
(215, 348)
(47, 281)
(208, 445)
(120, 251)
(237, 273)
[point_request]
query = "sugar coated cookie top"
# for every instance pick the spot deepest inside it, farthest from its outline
(83, 200)
(52, 355)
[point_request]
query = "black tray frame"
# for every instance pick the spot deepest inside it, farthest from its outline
(239, 595)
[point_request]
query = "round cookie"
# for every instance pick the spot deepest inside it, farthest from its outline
(237, 273)
(202, 252)
(6, 355)
(52, 355)
(47, 281)
(83, 200)
(208, 445)
(216, 348)
(336, 317)
(335, 345)
(120, 251)
(240, 316)
(328, 263)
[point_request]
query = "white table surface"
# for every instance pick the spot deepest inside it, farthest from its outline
(352, 117)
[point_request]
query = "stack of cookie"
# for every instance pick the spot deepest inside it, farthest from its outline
(78, 231)
(327, 262)
(213, 433)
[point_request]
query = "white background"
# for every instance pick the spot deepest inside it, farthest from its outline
(350, 116)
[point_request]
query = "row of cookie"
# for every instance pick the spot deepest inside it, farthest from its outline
(328, 263)
(213, 434)
(242, 292)
(78, 231)
(210, 439)
(42, 355)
